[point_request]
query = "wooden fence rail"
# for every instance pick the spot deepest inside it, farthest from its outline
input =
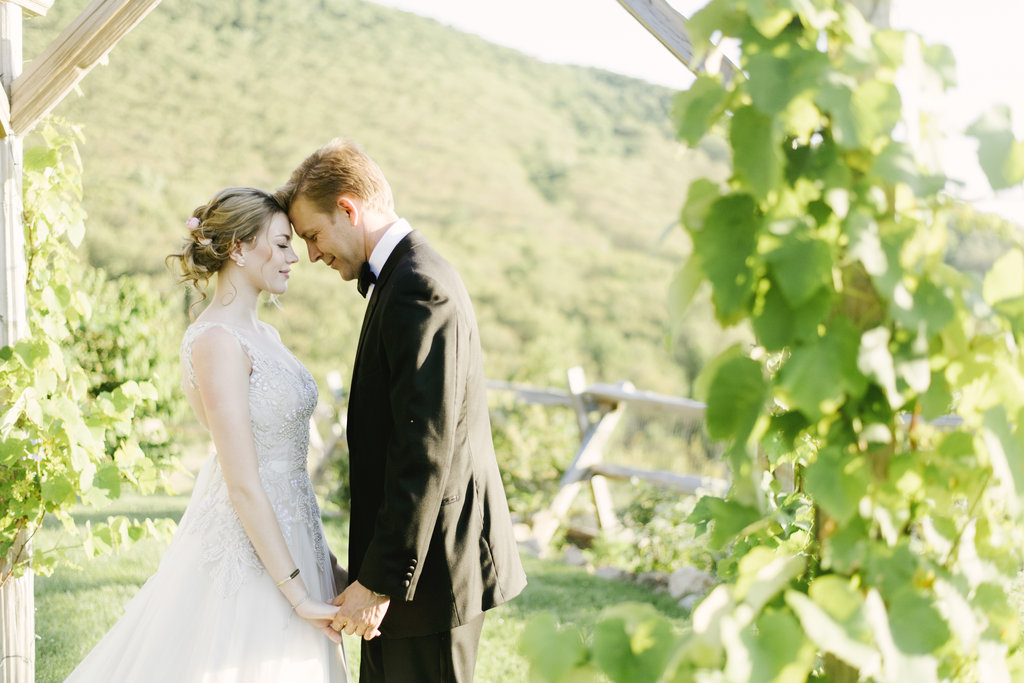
(598, 407)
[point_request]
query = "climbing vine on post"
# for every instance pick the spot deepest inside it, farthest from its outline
(891, 552)
(893, 555)
(53, 434)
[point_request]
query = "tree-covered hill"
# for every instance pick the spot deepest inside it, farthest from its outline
(550, 187)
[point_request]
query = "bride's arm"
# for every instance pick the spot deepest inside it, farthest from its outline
(222, 373)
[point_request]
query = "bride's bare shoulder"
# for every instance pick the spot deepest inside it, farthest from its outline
(214, 345)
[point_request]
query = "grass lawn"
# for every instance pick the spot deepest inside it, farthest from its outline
(75, 607)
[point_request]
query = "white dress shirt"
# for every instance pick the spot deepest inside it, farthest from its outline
(385, 246)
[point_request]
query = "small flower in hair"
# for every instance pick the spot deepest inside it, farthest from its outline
(192, 223)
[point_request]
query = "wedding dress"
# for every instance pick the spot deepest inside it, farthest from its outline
(211, 613)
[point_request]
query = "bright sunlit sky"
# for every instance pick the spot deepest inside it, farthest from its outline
(983, 34)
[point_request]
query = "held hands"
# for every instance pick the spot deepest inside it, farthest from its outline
(361, 613)
(320, 614)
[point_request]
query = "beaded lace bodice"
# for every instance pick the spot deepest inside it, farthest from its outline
(282, 397)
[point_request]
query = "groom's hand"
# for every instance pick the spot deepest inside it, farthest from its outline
(361, 611)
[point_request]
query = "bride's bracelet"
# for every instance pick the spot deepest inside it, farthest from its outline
(296, 605)
(288, 578)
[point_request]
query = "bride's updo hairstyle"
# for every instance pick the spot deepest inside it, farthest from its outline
(236, 215)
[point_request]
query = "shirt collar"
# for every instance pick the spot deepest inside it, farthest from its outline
(398, 230)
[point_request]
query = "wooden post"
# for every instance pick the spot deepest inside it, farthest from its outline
(17, 620)
(591, 450)
(12, 246)
(17, 606)
(577, 380)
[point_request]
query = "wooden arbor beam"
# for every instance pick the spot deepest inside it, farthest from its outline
(669, 27)
(39, 7)
(13, 52)
(83, 44)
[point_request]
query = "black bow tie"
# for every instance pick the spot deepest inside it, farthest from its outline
(366, 278)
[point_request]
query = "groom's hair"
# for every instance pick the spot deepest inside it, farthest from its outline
(339, 167)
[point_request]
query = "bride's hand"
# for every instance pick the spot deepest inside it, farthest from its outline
(320, 614)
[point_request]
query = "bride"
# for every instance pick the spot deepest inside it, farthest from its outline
(242, 593)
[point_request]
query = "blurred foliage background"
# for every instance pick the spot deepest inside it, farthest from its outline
(553, 189)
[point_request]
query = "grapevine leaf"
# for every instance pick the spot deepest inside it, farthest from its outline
(832, 636)
(57, 490)
(835, 100)
(769, 17)
(735, 399)
(13, 450)
(917, 626)
(890, 45)
(782, 74)
(877, 109)
(817, 378)
(701, 194)
(774, 650)
(875, 360)
(895, 164)
(724, 245)
(890, 568)
(838, 483)
(897, 665)
(552, 652)
(716, 16)
(757, 154)
(633, 642)
(801, 267)
(38, 157)
(683, 288)
(940, 59)
(696, 107)
(1003, 280)
(778, 325)
(1000, 154)
(108, 477)
(729, 519)
(764, 573)
(1005, 451)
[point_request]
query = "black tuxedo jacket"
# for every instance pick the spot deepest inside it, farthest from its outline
(430, 524)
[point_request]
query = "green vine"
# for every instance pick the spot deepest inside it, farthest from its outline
(53, 433)
(892, 553)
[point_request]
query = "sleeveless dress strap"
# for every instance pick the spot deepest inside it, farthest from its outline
(193, 332)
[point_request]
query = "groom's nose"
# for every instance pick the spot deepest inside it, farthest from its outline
(314, 253)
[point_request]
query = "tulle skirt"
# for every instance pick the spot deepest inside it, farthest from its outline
(181, 628)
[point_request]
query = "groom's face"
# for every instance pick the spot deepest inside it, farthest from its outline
(329, 237)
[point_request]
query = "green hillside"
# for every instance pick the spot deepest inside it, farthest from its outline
(548, 186)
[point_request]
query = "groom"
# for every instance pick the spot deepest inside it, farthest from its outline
(431, 545)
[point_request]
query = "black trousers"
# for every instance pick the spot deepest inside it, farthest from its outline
(446, 657)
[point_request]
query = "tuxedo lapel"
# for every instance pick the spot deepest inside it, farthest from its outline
(401, 249)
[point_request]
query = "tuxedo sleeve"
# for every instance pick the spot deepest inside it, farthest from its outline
(422, 336)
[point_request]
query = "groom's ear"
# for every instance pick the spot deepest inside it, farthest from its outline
(349, 208)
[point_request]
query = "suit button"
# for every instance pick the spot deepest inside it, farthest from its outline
(406, 583)
(413, 562)
(408, 575)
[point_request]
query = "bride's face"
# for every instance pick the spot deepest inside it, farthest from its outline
(270, 256)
